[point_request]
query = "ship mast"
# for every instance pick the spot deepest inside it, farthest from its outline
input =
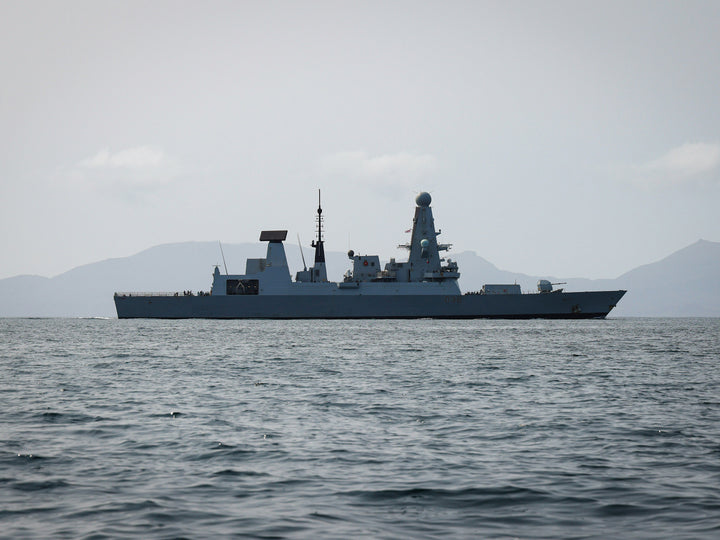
(319, 220)
(319, 273)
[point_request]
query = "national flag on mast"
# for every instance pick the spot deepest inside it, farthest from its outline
(409, 230)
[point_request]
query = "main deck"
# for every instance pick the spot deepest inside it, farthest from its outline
(577, 305)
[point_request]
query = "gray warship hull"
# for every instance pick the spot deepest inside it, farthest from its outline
(424, 286)
(555, 305)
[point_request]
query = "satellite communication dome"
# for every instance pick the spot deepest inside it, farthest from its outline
(423, 199)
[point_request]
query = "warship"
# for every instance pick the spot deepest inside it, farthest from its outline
(424, 286)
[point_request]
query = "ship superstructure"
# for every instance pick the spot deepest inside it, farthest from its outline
(423, 286)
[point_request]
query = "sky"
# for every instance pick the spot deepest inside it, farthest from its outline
(563, 138)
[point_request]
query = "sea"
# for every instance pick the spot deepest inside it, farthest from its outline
(360, 429)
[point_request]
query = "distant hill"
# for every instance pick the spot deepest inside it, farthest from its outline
(684, 284)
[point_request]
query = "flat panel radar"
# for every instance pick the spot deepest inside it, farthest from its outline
(273, 236)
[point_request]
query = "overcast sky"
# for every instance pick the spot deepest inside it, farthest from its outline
(562, 138)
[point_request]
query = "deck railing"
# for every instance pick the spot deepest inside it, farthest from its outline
(182, 293)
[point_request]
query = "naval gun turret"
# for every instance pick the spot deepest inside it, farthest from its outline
(544, 286)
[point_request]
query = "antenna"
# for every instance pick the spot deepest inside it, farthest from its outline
(223, 256)
(301, 253)
(319, 219)
(318, 244)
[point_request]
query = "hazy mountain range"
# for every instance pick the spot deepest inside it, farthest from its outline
(684, 284)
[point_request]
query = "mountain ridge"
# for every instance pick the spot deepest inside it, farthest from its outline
(684, 283)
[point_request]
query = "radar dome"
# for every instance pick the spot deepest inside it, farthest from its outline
(423, 199)
(424, 242)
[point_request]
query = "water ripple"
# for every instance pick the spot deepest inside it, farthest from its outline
(378, 429)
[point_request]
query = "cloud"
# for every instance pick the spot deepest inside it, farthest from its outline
(688, 162)
(393, 174)
(141, 157)
(131, 169)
